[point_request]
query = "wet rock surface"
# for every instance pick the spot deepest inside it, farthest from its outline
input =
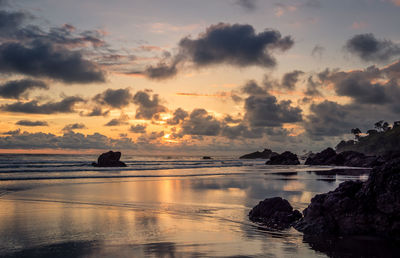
(275, 213)
(329, 157)
(357, 208)
(265, 154)
(109, 159)
(286, 158)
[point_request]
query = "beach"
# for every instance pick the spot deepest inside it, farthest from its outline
(156, 207)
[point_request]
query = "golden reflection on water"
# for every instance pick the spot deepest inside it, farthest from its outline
(195, 215)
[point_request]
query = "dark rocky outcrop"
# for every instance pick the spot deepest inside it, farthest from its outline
(109, 159)
(265, 154)
(276, 213)
(286, 158)
(329, 157)
(207, 157)
(357, 208)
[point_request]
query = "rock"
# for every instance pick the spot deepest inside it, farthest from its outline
(286, 158)
(207, 157)
(109, 159)
(329, 157)
(276, 213)
(357, 208)
(265, 154)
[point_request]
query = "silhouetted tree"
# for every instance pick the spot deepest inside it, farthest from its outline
(378, 125)
(372, 131)
(385, 127)
(396, 124)
(356, 132)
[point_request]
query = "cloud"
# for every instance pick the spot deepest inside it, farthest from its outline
(33, 107)
(71, 127)
(290, 79)
(114, 98)
(31, 123)
(252, 88)
(70, 140)
(96, 111)
(249, 5)
(312, 87)
(10, 21)
(18, 88)
(138, 128)
(373, 85)
(317, 51)
(200, 122)
(261, 111)
(161, 71)
(43, 60)
(149, 107)
(231, 44)
(178, 116)
(122, 120)
(369, 48)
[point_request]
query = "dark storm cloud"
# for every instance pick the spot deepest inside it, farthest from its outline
(290, 79)
(10, 21)
(41, 59)
(237, 45)
(138, 128)
(249, 5)
(70, 140)
(114, 98)
(148, 106)
(16, 89)
(313, 88)
(369, 48)
(373, 85)
(71, 127)
(266, 111)
(200, 122)
(242, 131)
(33, 107)
(31, 123)
(178, 116)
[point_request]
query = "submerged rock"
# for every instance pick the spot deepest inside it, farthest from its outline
(329, 157)
(357, 208)
(275, 213)
(286, 158)
(265, 154)
(109, 159)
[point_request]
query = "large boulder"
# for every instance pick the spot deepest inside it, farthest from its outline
(109, 159)
(265, 154)
(329, 157)
(357, 208)
(276, 213)
(286, 158)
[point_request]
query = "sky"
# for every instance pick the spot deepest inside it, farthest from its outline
(195, 77)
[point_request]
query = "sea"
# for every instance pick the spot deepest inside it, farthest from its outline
(59, 205)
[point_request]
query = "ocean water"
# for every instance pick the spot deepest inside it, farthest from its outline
(61, 206)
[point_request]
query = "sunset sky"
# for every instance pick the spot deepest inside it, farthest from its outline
(186, 76)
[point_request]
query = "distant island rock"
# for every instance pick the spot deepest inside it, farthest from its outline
(357, 208)
(286, 158)
(329, 157)
(265, 154)
(109, 159)
(207, 157)
(276, 213)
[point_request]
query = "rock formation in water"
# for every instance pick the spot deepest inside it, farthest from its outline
(357, 208)
(329, 157)
(286, 158)
(265, 154)
(109, 159)
(276, 213)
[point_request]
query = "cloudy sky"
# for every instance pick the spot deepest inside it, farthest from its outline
(190, 76)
